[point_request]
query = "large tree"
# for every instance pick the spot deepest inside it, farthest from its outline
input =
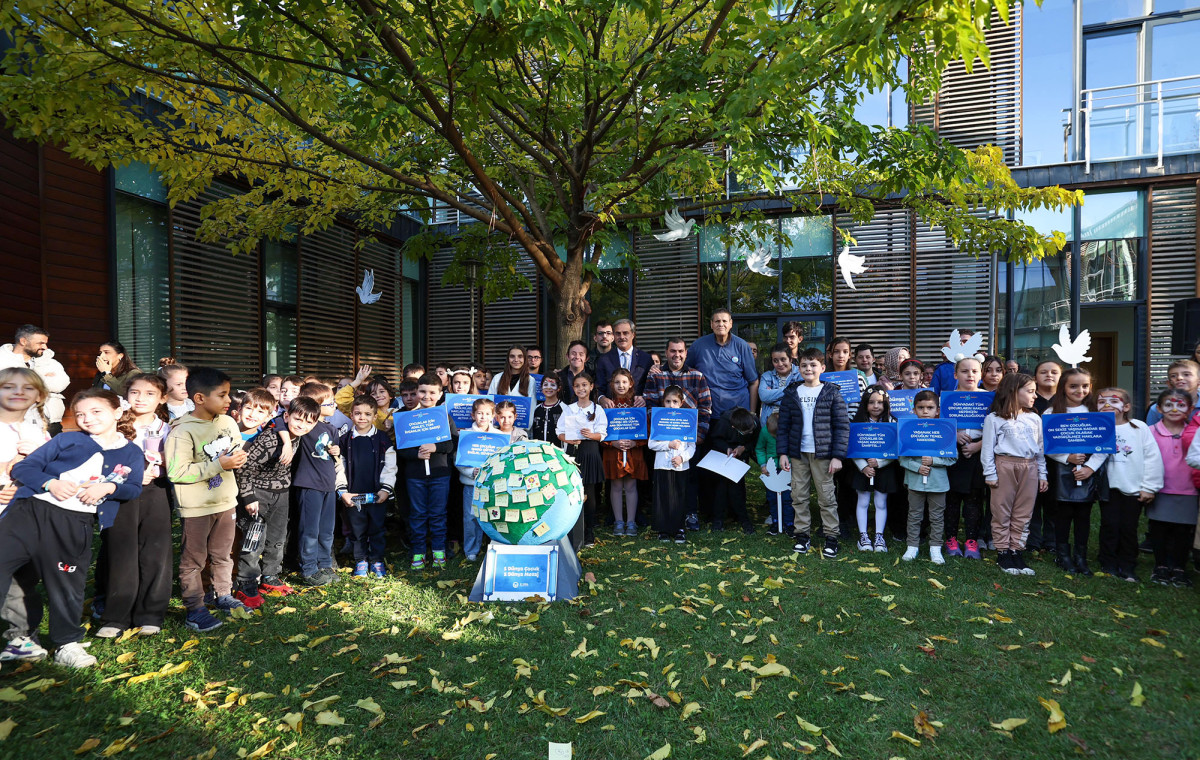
(555, 123)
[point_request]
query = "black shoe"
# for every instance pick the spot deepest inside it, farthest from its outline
(1020, 563)
(1180, 578)
(692, 522)
(1062, 558)
(718, 526)
(1081, 565)
(773, 530)
(681, 537)
(1004, 562)
(318, 578)
(802, 543)
(1161, 576)
(748, 528)
(831, 548)
(663, 537)
(1126, 575)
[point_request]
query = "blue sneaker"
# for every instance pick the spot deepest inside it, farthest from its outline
(360, 569)
(619, 528)
(228, 602)
(202, 620)
(377, 568)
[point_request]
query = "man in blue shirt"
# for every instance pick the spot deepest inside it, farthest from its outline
(727, 364)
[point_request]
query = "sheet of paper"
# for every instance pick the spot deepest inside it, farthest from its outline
(512, 515)
(548, 491)
(554, 465)
(502, 500)
(560, 751)
(537, 458)
(501, 527)
(725, 465)
(562, 478)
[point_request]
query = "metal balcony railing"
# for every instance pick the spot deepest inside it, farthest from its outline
(1140, 120)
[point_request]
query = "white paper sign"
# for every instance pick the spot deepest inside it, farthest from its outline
(725, 465)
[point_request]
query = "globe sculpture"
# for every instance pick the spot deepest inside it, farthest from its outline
(529, 493)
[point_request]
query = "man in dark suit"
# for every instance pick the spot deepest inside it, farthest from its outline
(624, 355)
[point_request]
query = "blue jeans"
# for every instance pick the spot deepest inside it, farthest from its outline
(472, 533)
(317, 509)
(428, 511)
(789, 513)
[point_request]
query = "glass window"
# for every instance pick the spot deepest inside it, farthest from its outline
(1102, 11)
(808, 264)
(754, 276)
(1048, 86)
(1047, 221)
(1108, 270)
(1040, 305)
(1166, 6)
(282, 272)
(409, 321)
(1172, 54)
(1112, 215)
(281, 343)
(1111, 60)
(142, 279)
(139, 179)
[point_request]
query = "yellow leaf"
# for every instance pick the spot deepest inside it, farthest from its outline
(118, 745)
(295, 721)
(883, 673)
(869, 697)
(1008, 724)
(711, 660)
(285, 610)
(263, 751)
(1137, 698)
(701, 734)
(1153, 642)
(601, 690)
(318, 641)
(329, 718)
(749, 638)
(589, 716)
(773, 669)
(6, 728)
(241, 613)
(691, 708)
(318, 704)
(890, 582)
(87, 746)
(809, 727)
(936, 584)
(662, 753)
(905, 737)
(830, 748)
(125, 657)
(1008, 647)
(758, 744)
(9, 694)
(1057, 720)
(369, 705)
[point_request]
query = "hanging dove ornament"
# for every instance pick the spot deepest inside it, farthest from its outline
(368, 284)
(851, 265)
(1073, 351)
(759, 262)
(677, 228)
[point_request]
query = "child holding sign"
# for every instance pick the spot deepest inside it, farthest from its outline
(582, 426)
(1135, 474)
(1014, 467)
(427, 471)
(873, 475)
(927, 483)
(965, 497)
(483, 411)
(1072, 479)
(624, 464)
(670, 477)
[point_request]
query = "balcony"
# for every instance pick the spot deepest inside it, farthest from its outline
(1144, 120)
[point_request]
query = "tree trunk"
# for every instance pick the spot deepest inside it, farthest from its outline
(571, 307)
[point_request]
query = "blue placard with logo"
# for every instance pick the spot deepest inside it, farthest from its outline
(524, 406)
(626, 424)
(459, 406)
(537, 381)
(515, 573)
(673, 424)
(474, 447)
(901, 402)
(847, 383)
(920, 437)
(421, 426)
(967, 408)
(1080, 433)
(873, 440)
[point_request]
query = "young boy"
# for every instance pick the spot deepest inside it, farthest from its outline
(483, 411)
(408, 394)
(178, 403)
(273, 384)
(813, 433)
(201, 450)
(414, 372)
(263, 485)
(314, 478)
(1183, 374)
(927, 484)
(289, 388)
(428, 493)
(368, 470)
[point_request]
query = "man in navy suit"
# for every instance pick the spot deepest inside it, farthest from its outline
(623, 356)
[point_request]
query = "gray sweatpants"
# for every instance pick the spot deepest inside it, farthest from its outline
(916, 512)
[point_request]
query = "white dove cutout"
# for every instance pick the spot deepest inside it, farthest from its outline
(777, 482)
(1072, 351)
(677, 227)
(959, 350)
(364, 291)
(850, 265)
(759, 261)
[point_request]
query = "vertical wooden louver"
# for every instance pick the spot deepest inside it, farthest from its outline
(448, 336)
(325, 320)
(512, 320)
(1172, 270)
(667, 293)
(952, 292)
(876, 311)
(378, 339)
(217, 308)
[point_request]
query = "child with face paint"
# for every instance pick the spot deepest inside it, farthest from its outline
(1172, 514)
(1135, 474)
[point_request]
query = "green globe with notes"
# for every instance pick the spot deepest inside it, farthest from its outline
(529, 493)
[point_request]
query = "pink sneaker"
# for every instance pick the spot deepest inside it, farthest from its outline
(952, 549)
(973, 549)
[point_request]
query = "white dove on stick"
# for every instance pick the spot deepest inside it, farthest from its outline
(850, 265)
(960, 349)
(759, 261)
(364, 291)
(677, 227)
(1072, 351)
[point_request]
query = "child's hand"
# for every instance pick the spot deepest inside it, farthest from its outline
(992, 483)
(785, 464)
(925, 469)
(62, 489)
(348, 499)
(474, 472)
(252, 509)
(7, 493)
(963, 438)
(426, 450)
(1145, 496)
(334, 450)
(678, 462)
(1076, 459)
(381, 496)
(1083, 473)
(737, 452)
(762, 469)
(363, 373)
(675, 445)
(286, 452)
(147, 477)
(388, 422)
(835, 466)
(873, 464)
(926, 462)
(234, 460)
(1044, 486)
(869, 471)
(96, 493)
(25, 448)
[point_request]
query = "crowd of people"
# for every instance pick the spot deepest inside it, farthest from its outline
(265, 480)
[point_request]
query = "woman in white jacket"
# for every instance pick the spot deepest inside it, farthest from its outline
(1135, 474)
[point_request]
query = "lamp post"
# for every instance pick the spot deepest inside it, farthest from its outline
(472, 264)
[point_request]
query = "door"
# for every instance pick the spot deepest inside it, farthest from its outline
(1103, 365)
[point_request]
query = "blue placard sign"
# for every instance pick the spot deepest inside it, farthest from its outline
(1080, 433)
(421, 426)
(847, 383)
(900, 402)
(873, 440)
(524, 406)
(673, 424)
(537, 381)
(515, 573)
(967, 408)
(459, 406)
(921, 437)
(626, 424)
(474, 447)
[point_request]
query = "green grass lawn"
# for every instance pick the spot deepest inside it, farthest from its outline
(664, 647)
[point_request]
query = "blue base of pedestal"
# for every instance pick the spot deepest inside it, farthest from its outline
(517, 573)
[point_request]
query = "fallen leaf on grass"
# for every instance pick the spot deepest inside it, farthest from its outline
(701, 734)
(809, 727)
(830, 748)
(936, 584)
(370, 705)
(87, 746)
(1008, 724)
(329, 718)
(1153, 642)
(758, 744)
(9, 694)
(589, 716)
(689, 709)
(295, 721)
(263, 751)
(662, 753)
(285, 610)
(773, 669)
(923, 725)
(6, 728)
(869, 697)
(1057, 720)
(905, 737)
(1137, 698)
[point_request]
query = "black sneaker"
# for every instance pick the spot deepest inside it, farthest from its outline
(718, 526)
(1022, 567)
(1180, 578)
(663, 536)
(1161, 576)
(748, 528)
(316, 579)
(692, 522)
(802, 543)
(1004, 562)
(772, 530)
(1126, 575)
(681, 537)
(831, 548)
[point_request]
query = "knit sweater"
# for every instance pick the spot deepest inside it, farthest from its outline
(263, 470)
(80, 458)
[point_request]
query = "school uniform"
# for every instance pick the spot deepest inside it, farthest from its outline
(369, 466)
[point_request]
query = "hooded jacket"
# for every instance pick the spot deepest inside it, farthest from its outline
(52, 374)
(191, 452)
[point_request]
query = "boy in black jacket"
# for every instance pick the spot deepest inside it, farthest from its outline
(367, 482)
(314, 478)
(428, 491)
(734, 434)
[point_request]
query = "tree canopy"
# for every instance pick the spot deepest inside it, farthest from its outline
(556, 124)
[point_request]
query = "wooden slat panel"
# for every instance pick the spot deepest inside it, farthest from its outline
(668, 291)
(511, 321)
(378, 333)
(1172, 271)
(448, 337)
(20, 240)
(951, 292)
(325, 315)
(877, 312)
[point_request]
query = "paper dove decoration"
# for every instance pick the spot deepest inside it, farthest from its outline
(958, 350)
(850, 265)
(677, 228)
(364, 291)
(1072, 352)
(759, 261)
(778, 482)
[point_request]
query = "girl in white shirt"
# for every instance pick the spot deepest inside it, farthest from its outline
(582, 426)
(1075, 485)
(1135, 474)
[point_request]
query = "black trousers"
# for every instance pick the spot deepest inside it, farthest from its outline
(1077, 514)
(274, 509)
(58, 542)
(670, 500)
(969, 507)
(1118, 531)
(1171, 541)
(139, 562)
(1040, 534)
(847, 503)
(729, 497)
(368, 539)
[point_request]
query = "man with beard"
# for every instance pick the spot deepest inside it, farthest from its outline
(30, 349)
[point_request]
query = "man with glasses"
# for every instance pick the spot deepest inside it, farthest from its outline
(604, 342)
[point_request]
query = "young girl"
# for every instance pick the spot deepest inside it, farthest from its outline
(582, 426)
(840, 354)
(911, 371)
(965, 498)
(460, 381)
(515, 380)
(546, 414)
(136, 551)
(1014, 467)
(624, 464)
(178, 403)
(873, 475)
(1135, 474)
(993, 372)
(21, 390)
(1172, 514)
(670, 476)
(506, 421)
(1041, 525)
(1075, 487)
(1046, 375)
(63, 484)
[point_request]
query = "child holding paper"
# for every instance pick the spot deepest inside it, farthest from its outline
(624, 465)
(965, 497)
(1073, 477)
(427, 471)
(670, 476)
(582, 426)
(1135, 474)
(873, 475)
(1014, 467)
(927, 484)
(483, 411)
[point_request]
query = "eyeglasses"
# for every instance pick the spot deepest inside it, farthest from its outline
(329, 403)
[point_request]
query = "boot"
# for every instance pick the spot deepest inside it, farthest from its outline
(1080, 560)
(1062, 558)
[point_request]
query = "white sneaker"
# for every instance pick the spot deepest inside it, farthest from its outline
(935, 555)
(109, 632)
(22, 648)
(864, 543)
(910, 553)
(73, 655)
(880, 544)
(149, 630)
